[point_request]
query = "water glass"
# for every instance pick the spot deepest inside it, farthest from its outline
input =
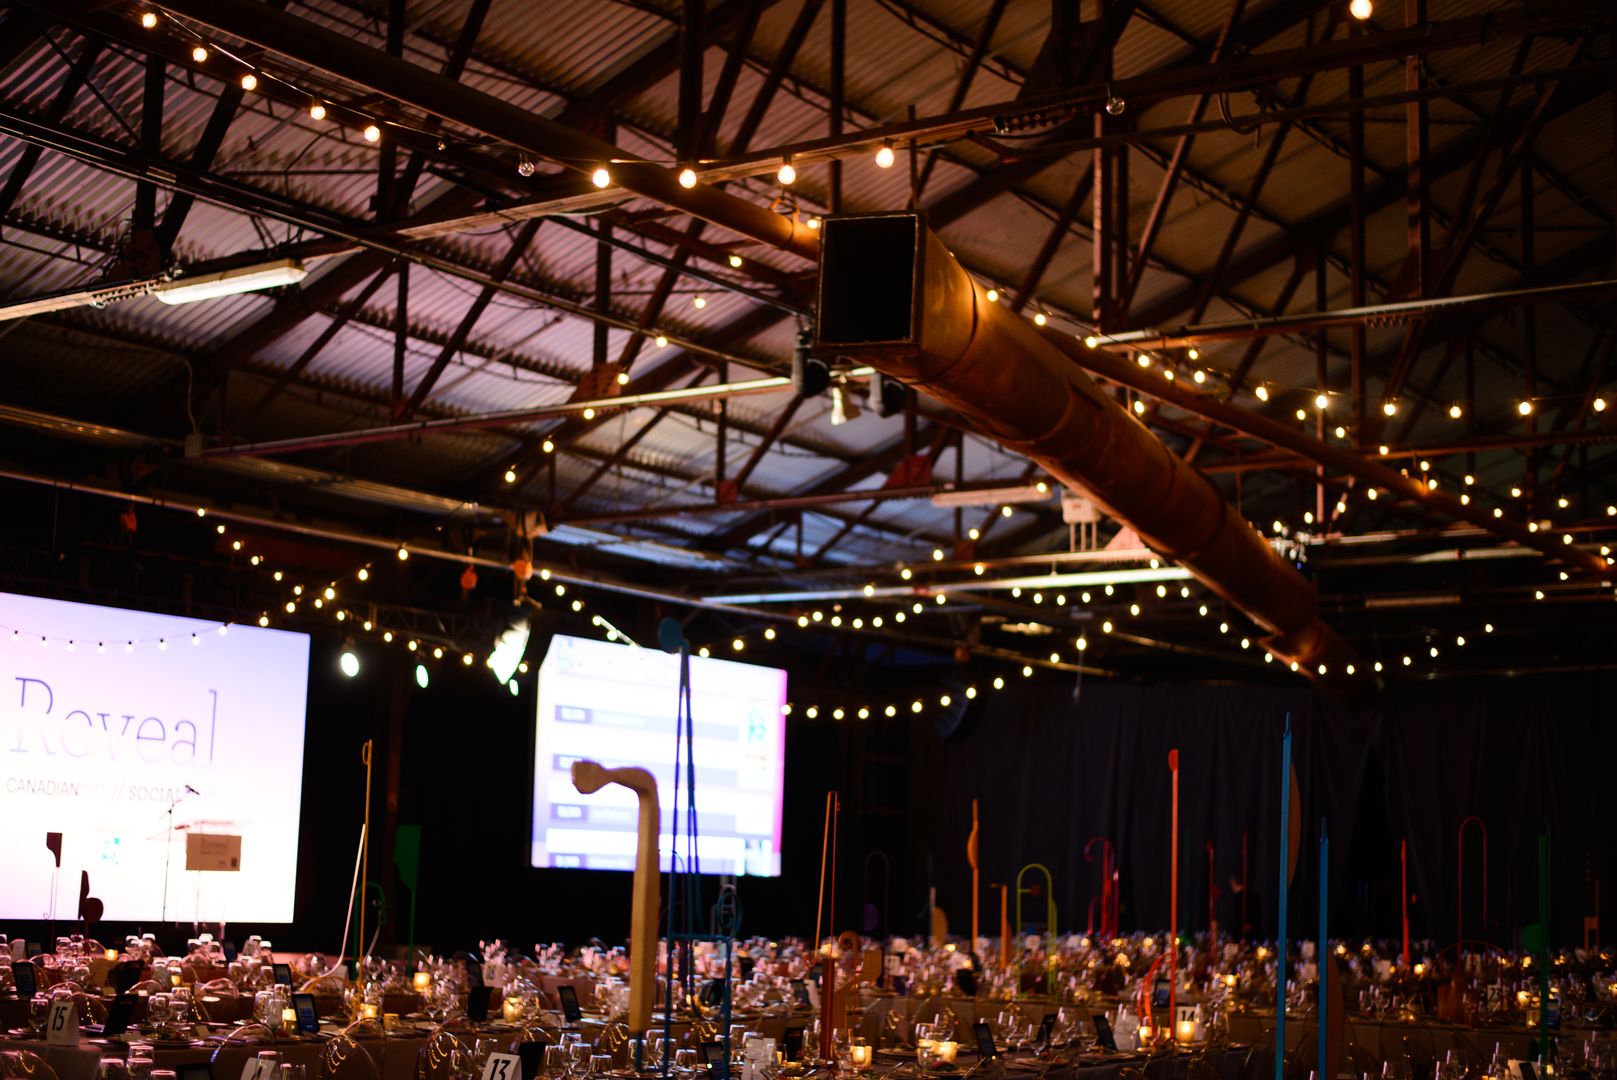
(599, 1064)
(39, 1007)
(555, 1061)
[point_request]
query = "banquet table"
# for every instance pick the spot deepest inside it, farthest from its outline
(875, 1007)
(1424, 1040)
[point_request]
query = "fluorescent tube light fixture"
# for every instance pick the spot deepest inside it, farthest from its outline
(242, 279)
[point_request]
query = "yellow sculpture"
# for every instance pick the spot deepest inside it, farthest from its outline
(590, 777)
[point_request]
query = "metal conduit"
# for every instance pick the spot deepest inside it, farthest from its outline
(892, 295)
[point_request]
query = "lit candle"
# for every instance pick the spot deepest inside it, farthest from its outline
(512, 1008)
(423, 981)
(112, 955)
(1145, 1034)
(1229, 980)
(289, 1020)
(1185, 1032)
(860, 1054)
(174, 978)
(946, 1051)
(1522, 998)
(367, 1011)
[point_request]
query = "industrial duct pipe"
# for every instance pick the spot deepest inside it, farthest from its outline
(891, 295)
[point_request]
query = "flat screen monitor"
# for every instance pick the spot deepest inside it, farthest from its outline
(615, 704)
(115, 718)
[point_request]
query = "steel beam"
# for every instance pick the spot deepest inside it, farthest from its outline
(307, 42)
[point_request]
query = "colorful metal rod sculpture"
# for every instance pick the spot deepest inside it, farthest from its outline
(1108, 885)
(1173, 893)
(588, 778)
(976, 888)
(828, 959)
(1049, 898)
(1403, 877)
(1323, 952)
(1004, 925)
(1280, 922)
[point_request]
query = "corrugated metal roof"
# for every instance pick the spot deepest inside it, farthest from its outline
(523, 353)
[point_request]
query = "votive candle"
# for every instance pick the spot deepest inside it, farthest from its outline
(947, 1051)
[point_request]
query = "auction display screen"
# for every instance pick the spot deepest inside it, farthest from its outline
(138, 749)
(617, 704)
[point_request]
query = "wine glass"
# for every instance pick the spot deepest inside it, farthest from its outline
(685, 1061)
(159, 1011)
(555, 1061)
(578, 1056)
(39, 1007)
(599, 1064)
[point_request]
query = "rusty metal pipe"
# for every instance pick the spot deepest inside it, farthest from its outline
(892, 295)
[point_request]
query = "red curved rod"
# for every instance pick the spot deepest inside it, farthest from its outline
(1459, 881)
(1108, 909)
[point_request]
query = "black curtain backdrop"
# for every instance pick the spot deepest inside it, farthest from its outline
(1049, 774)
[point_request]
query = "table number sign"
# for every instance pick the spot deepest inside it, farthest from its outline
(502, 1067)
(62, 1023)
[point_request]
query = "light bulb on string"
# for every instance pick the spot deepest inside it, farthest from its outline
(1262, 392)
(884, 156)
(1599, 404)
(601, 177)
(1389, 407)
(148, 20)
(1360, 9)
(317, 111)
(249, 82)
(787, 174)
(1455, 412)
(1321, 401)
(199, 54)
(687, 177)
(1524, 408)
(735, 262)
(372, 133)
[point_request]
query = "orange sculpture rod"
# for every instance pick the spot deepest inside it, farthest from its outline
(1004, 925)
(590, 777)
(828, 960)
(1212, 904)
(971, 857)
(1173, 897)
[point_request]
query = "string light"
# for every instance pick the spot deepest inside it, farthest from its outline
(148, 19)
(1360, 9)
(1389, 407)
(317, 111)
(884, 156)
(687, 177)
(1525, 408)
(1455, 412)
(601, 177)
(1262, 392)
(787, 174)
(199, 54)
(372, 133)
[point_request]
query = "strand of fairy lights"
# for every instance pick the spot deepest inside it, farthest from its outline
(325, 599)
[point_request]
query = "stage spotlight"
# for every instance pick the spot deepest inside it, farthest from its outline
(509, 648)
(422, 678)
(349, 660)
